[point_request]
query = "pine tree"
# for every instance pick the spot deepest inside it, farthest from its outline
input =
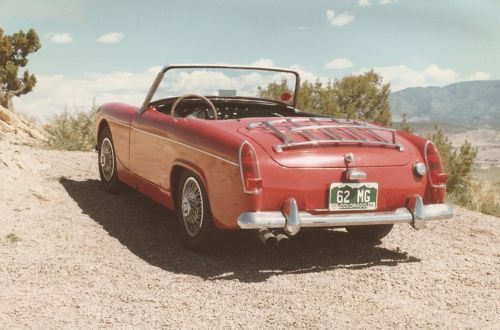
(463, 162)
(14, 50)
(364, 97)
(361, 97)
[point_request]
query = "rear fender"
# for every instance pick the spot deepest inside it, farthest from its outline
(433, 195)
(193, 168)
(187, 165)
(417, 141)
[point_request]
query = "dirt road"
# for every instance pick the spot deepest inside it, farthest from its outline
(73, 256)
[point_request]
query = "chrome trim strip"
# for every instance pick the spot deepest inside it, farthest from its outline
(400, 215)
(256, 220)
(186, 145)
(437, 212)
(280, 147)
(275, 130)
(355, 174)
(422, 212)
(283, 219)
(314, 119)
(328, 131)
(116, 122)
(293, 220)
(346, 127)
(314, 127)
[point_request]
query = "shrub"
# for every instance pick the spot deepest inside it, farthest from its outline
(457, 163)
(362, 96)
(482, 196)
(12, 238)
(72, 130)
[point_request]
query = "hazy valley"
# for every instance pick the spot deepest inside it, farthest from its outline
(465, 111)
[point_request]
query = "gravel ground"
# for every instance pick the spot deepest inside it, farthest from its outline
(73, 256)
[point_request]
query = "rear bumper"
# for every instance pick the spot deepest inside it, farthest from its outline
(290, 219)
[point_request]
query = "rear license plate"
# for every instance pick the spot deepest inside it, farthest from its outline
(353, 196)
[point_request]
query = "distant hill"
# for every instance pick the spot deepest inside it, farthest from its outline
(468, 104)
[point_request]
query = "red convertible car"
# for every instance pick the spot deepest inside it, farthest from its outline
(211, 145)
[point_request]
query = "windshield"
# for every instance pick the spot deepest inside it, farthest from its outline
(228, 82)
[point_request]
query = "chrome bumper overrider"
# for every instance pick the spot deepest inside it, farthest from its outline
(290, 219)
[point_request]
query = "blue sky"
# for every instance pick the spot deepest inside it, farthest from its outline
(110, 49)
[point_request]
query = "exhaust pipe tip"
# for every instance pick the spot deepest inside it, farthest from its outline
(267, 238)
(282, 241)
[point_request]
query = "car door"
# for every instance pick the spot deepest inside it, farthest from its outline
(151, 151)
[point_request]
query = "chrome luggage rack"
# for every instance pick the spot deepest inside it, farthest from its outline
(359, 132)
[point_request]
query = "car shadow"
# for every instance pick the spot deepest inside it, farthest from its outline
(149, 231)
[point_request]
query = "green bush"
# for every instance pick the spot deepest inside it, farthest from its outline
(482, 196)
(458, 163)
(362, 96)
(72, 130)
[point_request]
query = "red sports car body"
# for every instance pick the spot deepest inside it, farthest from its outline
(227, 162)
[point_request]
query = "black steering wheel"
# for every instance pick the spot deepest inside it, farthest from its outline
(201, 97)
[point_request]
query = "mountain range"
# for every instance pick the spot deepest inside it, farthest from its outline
(469, 104)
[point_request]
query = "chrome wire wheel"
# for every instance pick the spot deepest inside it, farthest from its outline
(192, 207)
(107, 159)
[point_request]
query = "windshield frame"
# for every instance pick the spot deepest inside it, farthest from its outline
(163, 71)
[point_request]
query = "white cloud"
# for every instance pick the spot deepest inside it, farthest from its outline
(306, 74)
(59, 38)
(385, 2)
(210, 81)
(338, 20)
(53, 93)
(339, 63)
(330, 14)
(364, 3)
(303, 27)
(401, 76)
(155, 69)
(265, 62)
(342, 19)
(111, 38)
(479, 75)
(436, 75)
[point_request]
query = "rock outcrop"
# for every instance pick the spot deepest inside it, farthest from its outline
(18, 129)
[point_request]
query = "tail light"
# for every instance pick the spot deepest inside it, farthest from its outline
(249, 168)
(437, 175)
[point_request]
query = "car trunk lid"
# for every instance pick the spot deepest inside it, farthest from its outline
(325, 142)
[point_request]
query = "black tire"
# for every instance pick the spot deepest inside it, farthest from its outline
(196, 231)
(370, 234)
(107, 171)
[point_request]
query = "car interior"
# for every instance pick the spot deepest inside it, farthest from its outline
(227, 108)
